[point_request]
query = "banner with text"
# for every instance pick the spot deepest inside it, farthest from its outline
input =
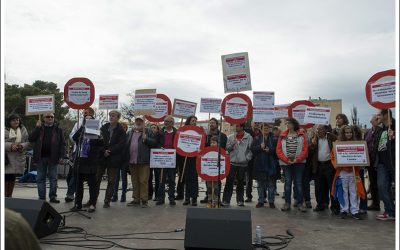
(162, 158)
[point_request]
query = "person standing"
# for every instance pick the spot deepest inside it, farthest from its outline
(15, 143)
(166, 141)
(238, 147)
(384, 145)
(341, 120)
(112, 154)
(292, 150)
(140, 140)
(155, 129)
(49, 150)
(254, 132)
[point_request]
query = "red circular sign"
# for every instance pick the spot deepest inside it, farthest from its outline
(159, 117)
(239, 100)
(79, 93)
(189, 140)
(210, 173)
(374, 83)
(292, 108)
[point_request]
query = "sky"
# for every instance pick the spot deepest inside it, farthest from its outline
(298, 49)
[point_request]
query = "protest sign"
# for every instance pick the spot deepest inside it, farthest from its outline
(108, 101)
(297, 111)
(236, 108)
(207, 164)
(189, 140)
(263, 99)
(163, 108)
(145, 101)
(162, 158)
(210, 105)
(380, 90)
(317, 115)
(236, 72)
(351, 153)
(79, 93)
(281, 111)
(263, 114)
(183, 109)
(35, 105)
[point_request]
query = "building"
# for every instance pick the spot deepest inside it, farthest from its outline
(334, 104)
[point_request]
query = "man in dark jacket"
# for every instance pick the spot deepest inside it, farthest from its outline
(112, 155)
(385, 162)
(48, 151)
(166, 139)
(137, 152)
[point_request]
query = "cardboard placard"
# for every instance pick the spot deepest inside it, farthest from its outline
(108, 101)
(35, 105)
(351, 153)
(236, 72)
(162, 158)
(145, 101)
(263, 114)
(207, 164)
(183, 109)
(380, 89)
(189, 140)
(263, 98)
(281, 111)
(210, 105)
(317, 115)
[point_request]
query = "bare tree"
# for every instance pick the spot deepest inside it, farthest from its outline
(354, 116)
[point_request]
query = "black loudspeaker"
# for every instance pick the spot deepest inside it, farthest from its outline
(218, 229)
(41, 216)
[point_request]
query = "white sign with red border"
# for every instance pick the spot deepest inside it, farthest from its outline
(162, 158)
(39, 104)
(263, 98)
(297, 110)
(282, 111)
(183, 109)
(145, 101)
(351, 153)
(236, 72)
(210, 105)
(317, 115)
(380, 89)
(189, 140)
(163, 108)
(264, 114)
(79, 93)
(207, 164)
(108, 101)
(236, 108)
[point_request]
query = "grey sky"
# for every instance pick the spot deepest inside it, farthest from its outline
(326, 49)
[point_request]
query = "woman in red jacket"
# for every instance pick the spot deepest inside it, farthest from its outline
(292, 150)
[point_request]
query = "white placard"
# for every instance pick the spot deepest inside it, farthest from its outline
(108, 101)
(183, 108)
(298, 114)
(161, 108)
(317, 115)
(145, 101)
(39, 104)
(189, 141)
(282, 111)
(236, 72)
(384, 92)
(210, 105)
(236, 109)
(237, 83)
(263, 114)
(209, 164)
(79, 93)
(351, 154)
(162, 158)
(263, 99)
(92, 126)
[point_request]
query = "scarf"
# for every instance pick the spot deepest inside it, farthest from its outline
(16, 134)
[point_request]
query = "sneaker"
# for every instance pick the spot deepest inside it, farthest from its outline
(68, 199)
(91, 209)
(54, 200)
(248, 199)
(286, 207)
(374, 207)
(240, 203)
(302, 208)
(308, 204)
(172, 202)
(106, 204)
(271, 205)
(259, 205)
(343, 215)
(145, 204)
(357, 216)
(205, 200)
(225, 204)
(133, 203)
(158, 203)
(384, 216)
(186, 202)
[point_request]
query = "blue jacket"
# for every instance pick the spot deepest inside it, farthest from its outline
(264, 163)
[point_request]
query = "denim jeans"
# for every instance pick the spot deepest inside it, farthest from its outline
(121, 174)
(294, 172)
(168, 174)
(266, 186)
(238, 173)
(363, 202)
(71, 183)
(385, 178)
(45, 168)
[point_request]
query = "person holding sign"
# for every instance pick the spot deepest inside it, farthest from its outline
(341, 120)
(166, 140)
(48, 151)
(292, 151)
(385, 162)
(238, 146)
(347, 186)
(15, 143)
(264, 166)
(140, 140)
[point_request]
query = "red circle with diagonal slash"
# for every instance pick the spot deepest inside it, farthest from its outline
(374, 79)
(70, 85)
(243, 119)
(153, 118)
(298, 103)
(206, 151)
(188, 131)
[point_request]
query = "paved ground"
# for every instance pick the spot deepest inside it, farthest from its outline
(312, 230)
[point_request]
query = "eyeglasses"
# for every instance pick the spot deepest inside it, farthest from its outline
(49, 117)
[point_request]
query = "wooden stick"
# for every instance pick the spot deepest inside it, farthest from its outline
(161, 178)
(212, 194)
(209, 117)
(78, 119)
(183, 170)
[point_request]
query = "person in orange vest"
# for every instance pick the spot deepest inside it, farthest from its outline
(347, 186)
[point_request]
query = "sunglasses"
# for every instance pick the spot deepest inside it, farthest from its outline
(49, 117)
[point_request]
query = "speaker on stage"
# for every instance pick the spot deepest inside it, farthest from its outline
(40, 215)
(218, 229)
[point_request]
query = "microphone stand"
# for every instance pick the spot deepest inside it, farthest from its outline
(219, 164)
(77, 165)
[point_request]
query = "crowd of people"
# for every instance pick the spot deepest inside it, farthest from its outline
(262, 153)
